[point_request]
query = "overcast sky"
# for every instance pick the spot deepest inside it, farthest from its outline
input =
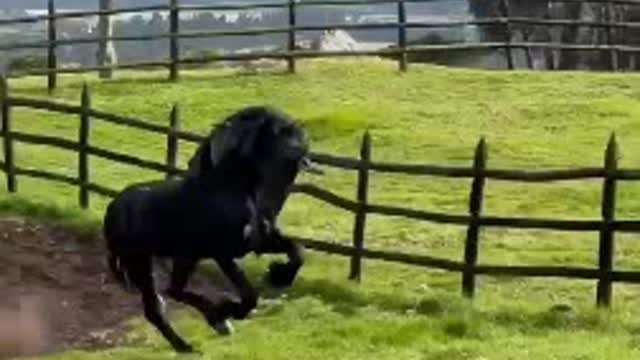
(92, 4)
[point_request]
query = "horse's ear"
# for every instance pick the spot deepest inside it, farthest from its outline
(224, 142)
(241, 138)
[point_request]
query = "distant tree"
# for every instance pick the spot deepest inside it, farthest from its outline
(26, 63)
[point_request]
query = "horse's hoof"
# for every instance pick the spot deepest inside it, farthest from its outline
(269, 291)
(279, 275)
(184, 348)
(223, 327)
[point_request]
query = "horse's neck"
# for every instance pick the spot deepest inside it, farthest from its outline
(230, 182)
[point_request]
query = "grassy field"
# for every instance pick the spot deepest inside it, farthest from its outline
(431, 115)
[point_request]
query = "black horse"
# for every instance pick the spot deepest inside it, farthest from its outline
(224, 207)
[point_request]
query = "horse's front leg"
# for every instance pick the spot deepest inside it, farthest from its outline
(283, 274)
(248, 295)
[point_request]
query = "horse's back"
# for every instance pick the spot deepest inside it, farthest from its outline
(136, 213)
(167, 217)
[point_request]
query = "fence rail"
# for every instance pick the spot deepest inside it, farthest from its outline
(607, 226)
(291, 54)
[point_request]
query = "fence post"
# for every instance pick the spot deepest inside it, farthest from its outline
(5, 112)
(361, 213)
(174, 44)
(172, 140)
(52, 62)
(106, 55)
(291, 43)
(402, 35)
(629, 55)
(611, 35)
(608, 216)
(527, 52)
(83, 142)
(504, 12)
(475, 208)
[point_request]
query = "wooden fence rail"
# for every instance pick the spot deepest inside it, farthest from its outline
(291, 54)
(244, 7)
(475, 220)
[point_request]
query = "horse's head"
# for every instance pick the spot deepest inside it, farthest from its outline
(264, 147)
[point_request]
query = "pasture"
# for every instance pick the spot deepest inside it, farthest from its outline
(430, 115)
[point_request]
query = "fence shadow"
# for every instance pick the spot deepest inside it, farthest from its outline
(157, 77)
(457, 315)
(361, 207)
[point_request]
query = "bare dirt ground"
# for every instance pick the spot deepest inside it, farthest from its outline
(62, 286)
(60, 282)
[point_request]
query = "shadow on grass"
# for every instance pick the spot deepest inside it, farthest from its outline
(458, 315)
(84, 224)
(207, 78)
(157, 77)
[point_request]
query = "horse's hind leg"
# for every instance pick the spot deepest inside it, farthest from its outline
(182, 270)
(139, 270)
(248, 295)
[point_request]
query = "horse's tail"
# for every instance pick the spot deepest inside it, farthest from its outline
(114, 258)
(117, 269)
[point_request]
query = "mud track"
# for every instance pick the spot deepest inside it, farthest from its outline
(62, 283)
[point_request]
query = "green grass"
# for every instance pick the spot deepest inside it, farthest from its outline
(430, 115)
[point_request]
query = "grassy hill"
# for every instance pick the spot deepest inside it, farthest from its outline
(430, 115)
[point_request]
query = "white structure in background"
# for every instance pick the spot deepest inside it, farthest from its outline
(334, 40)
(340, 40)
(106, 54)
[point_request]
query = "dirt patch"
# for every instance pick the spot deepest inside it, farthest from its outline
(59, 282)
(56, 289)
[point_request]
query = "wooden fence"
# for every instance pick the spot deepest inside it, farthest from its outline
(291, 53)
(361, 207)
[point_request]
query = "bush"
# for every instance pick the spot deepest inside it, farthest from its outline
(201, 54)
(28, 62)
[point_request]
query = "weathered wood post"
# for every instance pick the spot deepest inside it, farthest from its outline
(504, 12)
(291, 43)
(83, 151)
(605, 258)
(52, 62)
(106, 54)
(526, 36)
(361, 213)
(611, 41)
(402, 35)
(5, 111)
(475, 208)
(172, 141)
(174, 41)
(630, 57)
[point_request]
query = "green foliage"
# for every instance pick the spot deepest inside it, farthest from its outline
(429, 115)
(85, 224)
(28, 62)
(201, 55)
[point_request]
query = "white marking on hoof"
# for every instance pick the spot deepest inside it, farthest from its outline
(128, 285)
(162, 304)
(247, 231)
(223, 327)
(267, 226)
